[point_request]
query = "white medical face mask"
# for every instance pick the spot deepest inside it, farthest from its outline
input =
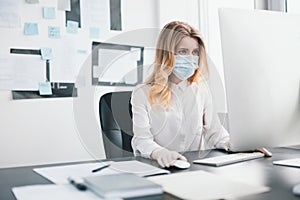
(185, 66)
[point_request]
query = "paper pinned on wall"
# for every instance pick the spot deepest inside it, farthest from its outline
(96, 14)
(54, 32)
(21, 72)
(49, 13)
(117, 66)
(96, 71)
(81, 51)
(10, 13)
(72, 27)
(67, 60)
(45, 88)
(6, 73)
(46, 53)
(32, 1)
(64, 5)
(31, 28)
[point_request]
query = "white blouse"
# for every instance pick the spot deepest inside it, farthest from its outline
(189, 124)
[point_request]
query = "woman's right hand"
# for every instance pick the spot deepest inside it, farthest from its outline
(165, 157)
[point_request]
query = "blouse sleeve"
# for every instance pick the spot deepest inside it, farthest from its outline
(143, 141)
(214, 134)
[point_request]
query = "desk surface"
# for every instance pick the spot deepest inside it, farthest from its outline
(259, 171)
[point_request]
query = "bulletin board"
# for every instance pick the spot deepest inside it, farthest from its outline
(46, 42)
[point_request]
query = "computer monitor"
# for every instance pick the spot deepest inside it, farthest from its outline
(261, 55)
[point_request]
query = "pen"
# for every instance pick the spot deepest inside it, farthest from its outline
(78, 185)
(148, 175)
(100, 168)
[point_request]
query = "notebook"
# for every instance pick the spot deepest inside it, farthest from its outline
(124, 185)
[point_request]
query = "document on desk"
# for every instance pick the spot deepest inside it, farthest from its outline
(204, 185)
(60, 174)
(51, 192)
(138, 168)
(295, 162)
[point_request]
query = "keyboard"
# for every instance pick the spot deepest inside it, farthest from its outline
(229, 159)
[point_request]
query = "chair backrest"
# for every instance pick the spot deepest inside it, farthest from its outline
(116, 123)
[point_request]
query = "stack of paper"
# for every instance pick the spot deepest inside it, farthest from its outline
(204, 185)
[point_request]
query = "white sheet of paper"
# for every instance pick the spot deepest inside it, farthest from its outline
(295, 162)
(117, 66)
(67, 61)
(60, 174)
(137, 167)
(195, 184)
(96, 14)
(32, 1)
(21, 72)
(10, 13)
(64, 5)
(96, 71)
(51, 192)
(6, 72)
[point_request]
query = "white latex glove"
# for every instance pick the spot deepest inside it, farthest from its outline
(166, 158)
(224, 145)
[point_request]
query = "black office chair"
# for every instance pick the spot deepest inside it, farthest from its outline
(116, 124)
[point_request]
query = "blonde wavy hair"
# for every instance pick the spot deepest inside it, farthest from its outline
(169, 37)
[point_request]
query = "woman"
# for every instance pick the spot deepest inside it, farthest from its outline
(173, 110)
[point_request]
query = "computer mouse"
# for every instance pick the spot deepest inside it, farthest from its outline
(181, 164)
(296, 189)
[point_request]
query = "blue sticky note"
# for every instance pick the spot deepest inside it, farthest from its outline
(81, 51)
(94, 32)
(72, 27)
(46, 53)
(45, 88)
(53, 32)
(31, 28)
(49, 13)
(32, 1)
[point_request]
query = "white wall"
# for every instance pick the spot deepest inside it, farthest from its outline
(293, 6)
(57, 130)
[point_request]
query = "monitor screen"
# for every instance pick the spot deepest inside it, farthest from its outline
(261, 55)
